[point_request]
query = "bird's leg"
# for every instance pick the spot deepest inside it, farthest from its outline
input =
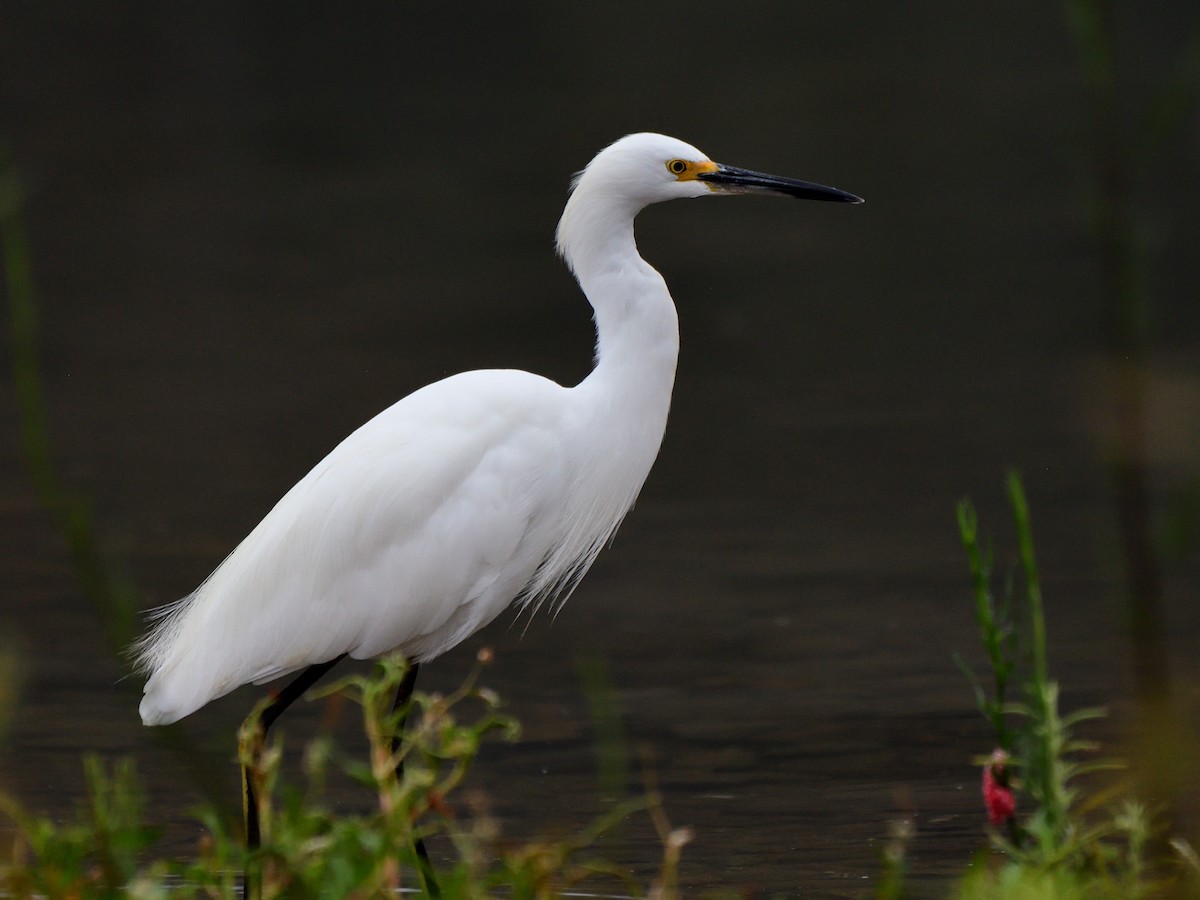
(401, 704)
(291, 692)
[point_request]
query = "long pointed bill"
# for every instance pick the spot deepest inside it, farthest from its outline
(729, 180)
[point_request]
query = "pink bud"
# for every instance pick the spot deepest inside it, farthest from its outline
(997, 795)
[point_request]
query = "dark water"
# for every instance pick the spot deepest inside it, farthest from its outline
(253, 228)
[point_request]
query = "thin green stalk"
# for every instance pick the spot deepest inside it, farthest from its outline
(1033, 588)
(994, 627)
(1046, 737)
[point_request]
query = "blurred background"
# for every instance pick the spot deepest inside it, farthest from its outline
(253, 226)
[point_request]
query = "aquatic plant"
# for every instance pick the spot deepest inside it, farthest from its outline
(307, 850)
(1056, 844)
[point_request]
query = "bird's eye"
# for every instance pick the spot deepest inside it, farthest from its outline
(677, 166)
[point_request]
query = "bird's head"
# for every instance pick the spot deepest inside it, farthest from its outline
(648, 168)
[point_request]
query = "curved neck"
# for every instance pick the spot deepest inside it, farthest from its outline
(637, 328)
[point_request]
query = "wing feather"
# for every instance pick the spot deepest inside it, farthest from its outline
(415, 531)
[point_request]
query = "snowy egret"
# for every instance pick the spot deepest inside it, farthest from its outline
(479, 490)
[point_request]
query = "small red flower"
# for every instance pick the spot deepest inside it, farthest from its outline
(997, 795)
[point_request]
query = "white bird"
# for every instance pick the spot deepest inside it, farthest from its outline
(479, 490)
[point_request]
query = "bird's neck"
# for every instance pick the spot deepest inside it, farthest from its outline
(637, 328)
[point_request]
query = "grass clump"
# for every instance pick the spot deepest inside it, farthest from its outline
(1050, 838)
(96, 855)
(307, 850)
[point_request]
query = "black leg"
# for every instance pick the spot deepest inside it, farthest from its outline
(289, 695)
(403, 696)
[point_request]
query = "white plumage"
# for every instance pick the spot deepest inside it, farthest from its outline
(486, 487)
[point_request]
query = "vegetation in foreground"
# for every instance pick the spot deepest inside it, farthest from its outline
(1052, 832)
(307, 850)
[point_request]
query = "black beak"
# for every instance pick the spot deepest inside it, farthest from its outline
(730, 180)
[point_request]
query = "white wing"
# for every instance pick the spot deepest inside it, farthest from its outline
(417, 530)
